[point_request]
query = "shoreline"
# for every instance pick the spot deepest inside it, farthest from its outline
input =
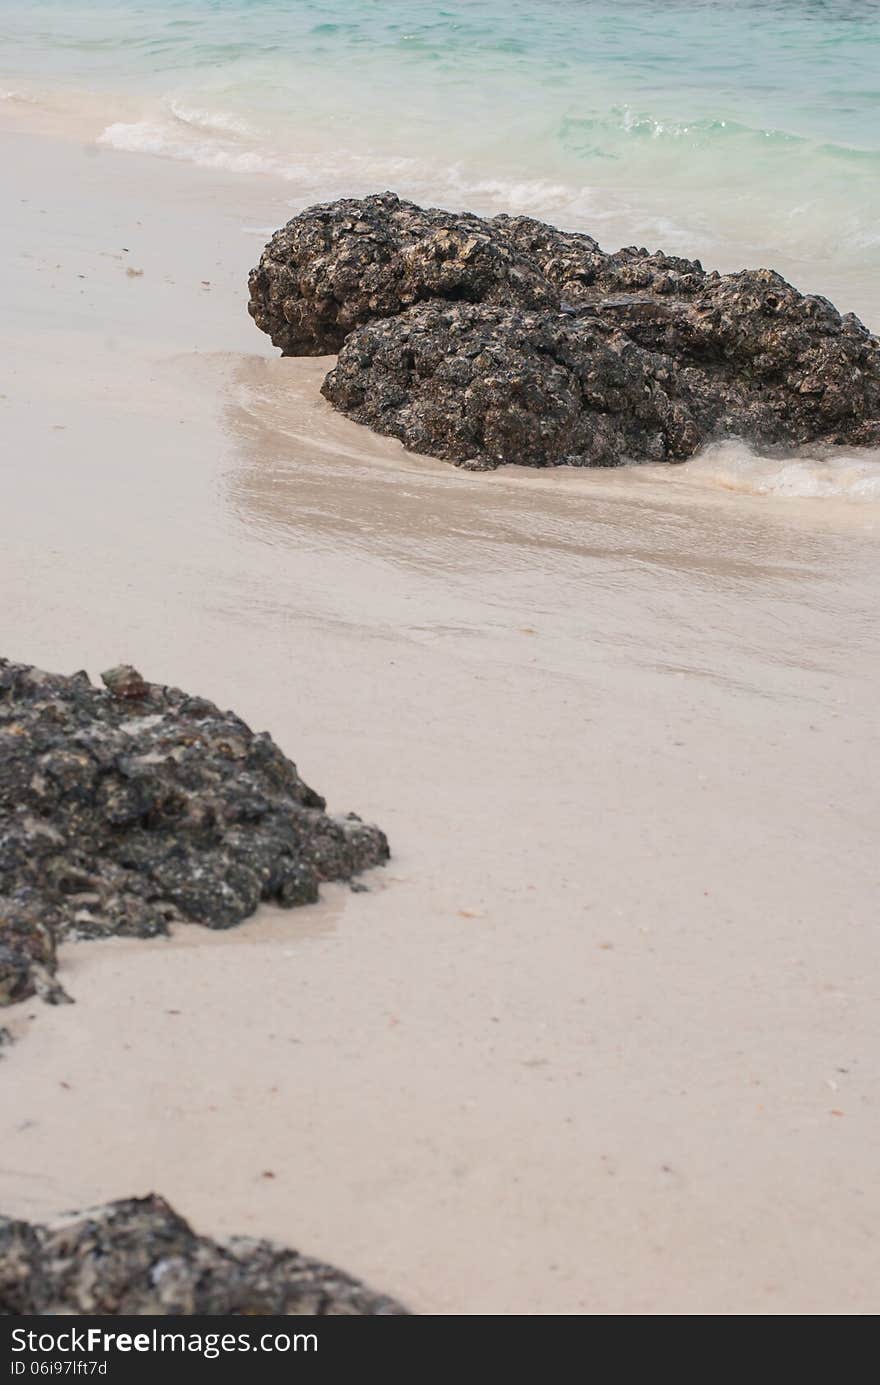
(579, 1048)
(80, 118)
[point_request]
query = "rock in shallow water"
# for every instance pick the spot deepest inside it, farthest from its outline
(126, 808)
(137, 1256)
(482, 385)
(506, 340)
(344, 263)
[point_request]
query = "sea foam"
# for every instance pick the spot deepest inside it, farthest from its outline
(852, 476)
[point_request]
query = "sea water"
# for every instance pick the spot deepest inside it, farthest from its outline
(744, 132)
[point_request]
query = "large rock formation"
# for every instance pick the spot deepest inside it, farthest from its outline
(483, 385)
(137, 1256)
(505, 340)
(126, 808)
(344, 263)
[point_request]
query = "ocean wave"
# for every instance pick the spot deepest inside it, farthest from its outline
(640, 124)
(218, 140)
(851, 476)
(159, 137)
(639, 210)
(526, 194)
(215, 122)
(608, 133)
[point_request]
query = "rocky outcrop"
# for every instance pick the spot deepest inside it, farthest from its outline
(137, 1256)
(344, 263)
(482, 385)
(506, 340)
(128, 807)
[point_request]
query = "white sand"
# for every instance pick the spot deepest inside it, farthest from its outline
(603, 1037)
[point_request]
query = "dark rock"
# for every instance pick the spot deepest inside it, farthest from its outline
(344, 263)
(481, 385)
(27, 947)
(577, 269)
(506, 340)
(124, 810)
(125, 681)
(137, 1256)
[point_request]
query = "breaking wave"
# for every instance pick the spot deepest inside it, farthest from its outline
(852, 476)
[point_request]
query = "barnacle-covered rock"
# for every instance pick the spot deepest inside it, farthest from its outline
(137, 1256)
(480, 385)
(125, 808)
(343, 263)
(507, 340)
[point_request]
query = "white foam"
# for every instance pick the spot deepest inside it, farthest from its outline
(851, 476)
(216, 140)
(157, 137)
(221, 122)
(525, 194)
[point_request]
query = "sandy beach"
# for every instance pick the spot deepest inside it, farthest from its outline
(602, 1038)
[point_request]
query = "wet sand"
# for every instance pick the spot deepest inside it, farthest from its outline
(602, 1038)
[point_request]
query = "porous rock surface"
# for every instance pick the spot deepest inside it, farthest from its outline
(137, 1256)
(128, 807)
(506, 340)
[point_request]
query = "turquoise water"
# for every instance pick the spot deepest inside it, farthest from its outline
(738, 131)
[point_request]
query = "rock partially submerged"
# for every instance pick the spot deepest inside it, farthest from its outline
(345, 263)
(481, 385)
(137, 1256)
(126, 808)
(506, 340)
